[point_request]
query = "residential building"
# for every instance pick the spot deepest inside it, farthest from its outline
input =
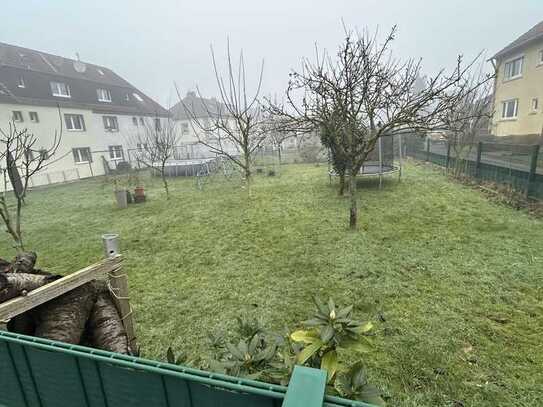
(518, 90)
(97, 111)
(192, 116)
(193, 113)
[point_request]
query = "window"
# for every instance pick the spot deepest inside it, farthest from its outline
(116, 152)
(141, 121)
(540, 62)
(510, 109)
(100, 71)
(74, 122)
(60, 89)
(111, 123)
(127, 97)
(34, 117)
(138, 97)
(535, 104)
(135, 121)
(141, 146)
(17, 116)
(184, 128)
(21, 83)
(82, 155)
(158, 126)
(104, 95)
(513, 69)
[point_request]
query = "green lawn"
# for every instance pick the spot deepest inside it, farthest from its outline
(455, 279)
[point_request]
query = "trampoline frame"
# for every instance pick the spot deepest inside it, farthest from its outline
(382, 169)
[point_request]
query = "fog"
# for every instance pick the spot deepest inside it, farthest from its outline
(153, 44)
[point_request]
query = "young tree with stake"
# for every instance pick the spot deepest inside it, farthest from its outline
(156, 145)
(236, 121)
(22, 156)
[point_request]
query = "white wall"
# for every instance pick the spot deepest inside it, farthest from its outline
(62, 166)
(192, 134)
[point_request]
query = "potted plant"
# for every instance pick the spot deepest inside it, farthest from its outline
(139, 191)
(139, 194)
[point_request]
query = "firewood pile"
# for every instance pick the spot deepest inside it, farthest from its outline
(86, 315)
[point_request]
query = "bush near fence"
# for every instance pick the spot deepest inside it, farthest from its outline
(517, 165)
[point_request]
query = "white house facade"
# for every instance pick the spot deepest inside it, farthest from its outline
(97, 113)
(189, 125)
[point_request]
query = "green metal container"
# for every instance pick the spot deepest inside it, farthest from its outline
(35, 372)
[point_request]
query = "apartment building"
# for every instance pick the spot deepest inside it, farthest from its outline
(518, 90)
(98, 112)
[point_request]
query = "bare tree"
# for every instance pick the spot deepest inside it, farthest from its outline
(331, 140)
(156, 145)
(278, 131)
(469, 116)
(22, 156)
(235, 122)
(363, 94)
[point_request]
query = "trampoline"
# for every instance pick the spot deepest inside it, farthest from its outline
(190, 168)
(380, 160)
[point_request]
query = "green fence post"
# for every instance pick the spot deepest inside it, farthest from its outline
(306, 388)
(447, 162)
(427, 149)
(533, 168)
(478, 162)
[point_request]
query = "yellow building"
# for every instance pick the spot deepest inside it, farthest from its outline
(518, 90)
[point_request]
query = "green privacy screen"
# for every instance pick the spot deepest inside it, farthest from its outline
(36, 372)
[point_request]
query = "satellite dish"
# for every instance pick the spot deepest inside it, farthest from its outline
(80, 66)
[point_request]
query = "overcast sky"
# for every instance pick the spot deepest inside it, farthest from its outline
(154, 43)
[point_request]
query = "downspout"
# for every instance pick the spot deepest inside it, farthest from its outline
(491, 125)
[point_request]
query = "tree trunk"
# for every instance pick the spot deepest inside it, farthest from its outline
(163, 176)
(20, 246)
(63, 319)
(14, 284)
(24, 262)
(247, 167)
(352, 193)
(279, 153)
(341, 190)
(105, 327)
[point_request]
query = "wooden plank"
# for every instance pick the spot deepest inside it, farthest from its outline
(119, 290)
(36, 297)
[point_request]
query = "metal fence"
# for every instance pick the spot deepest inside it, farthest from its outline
(519, 166)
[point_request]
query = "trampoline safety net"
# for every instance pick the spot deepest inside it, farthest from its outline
(384, 151)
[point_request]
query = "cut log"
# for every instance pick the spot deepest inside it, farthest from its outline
(22, 324)
(105, 328)
(63, 319)
(5, 266)
(14, 284)
(24, 262)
